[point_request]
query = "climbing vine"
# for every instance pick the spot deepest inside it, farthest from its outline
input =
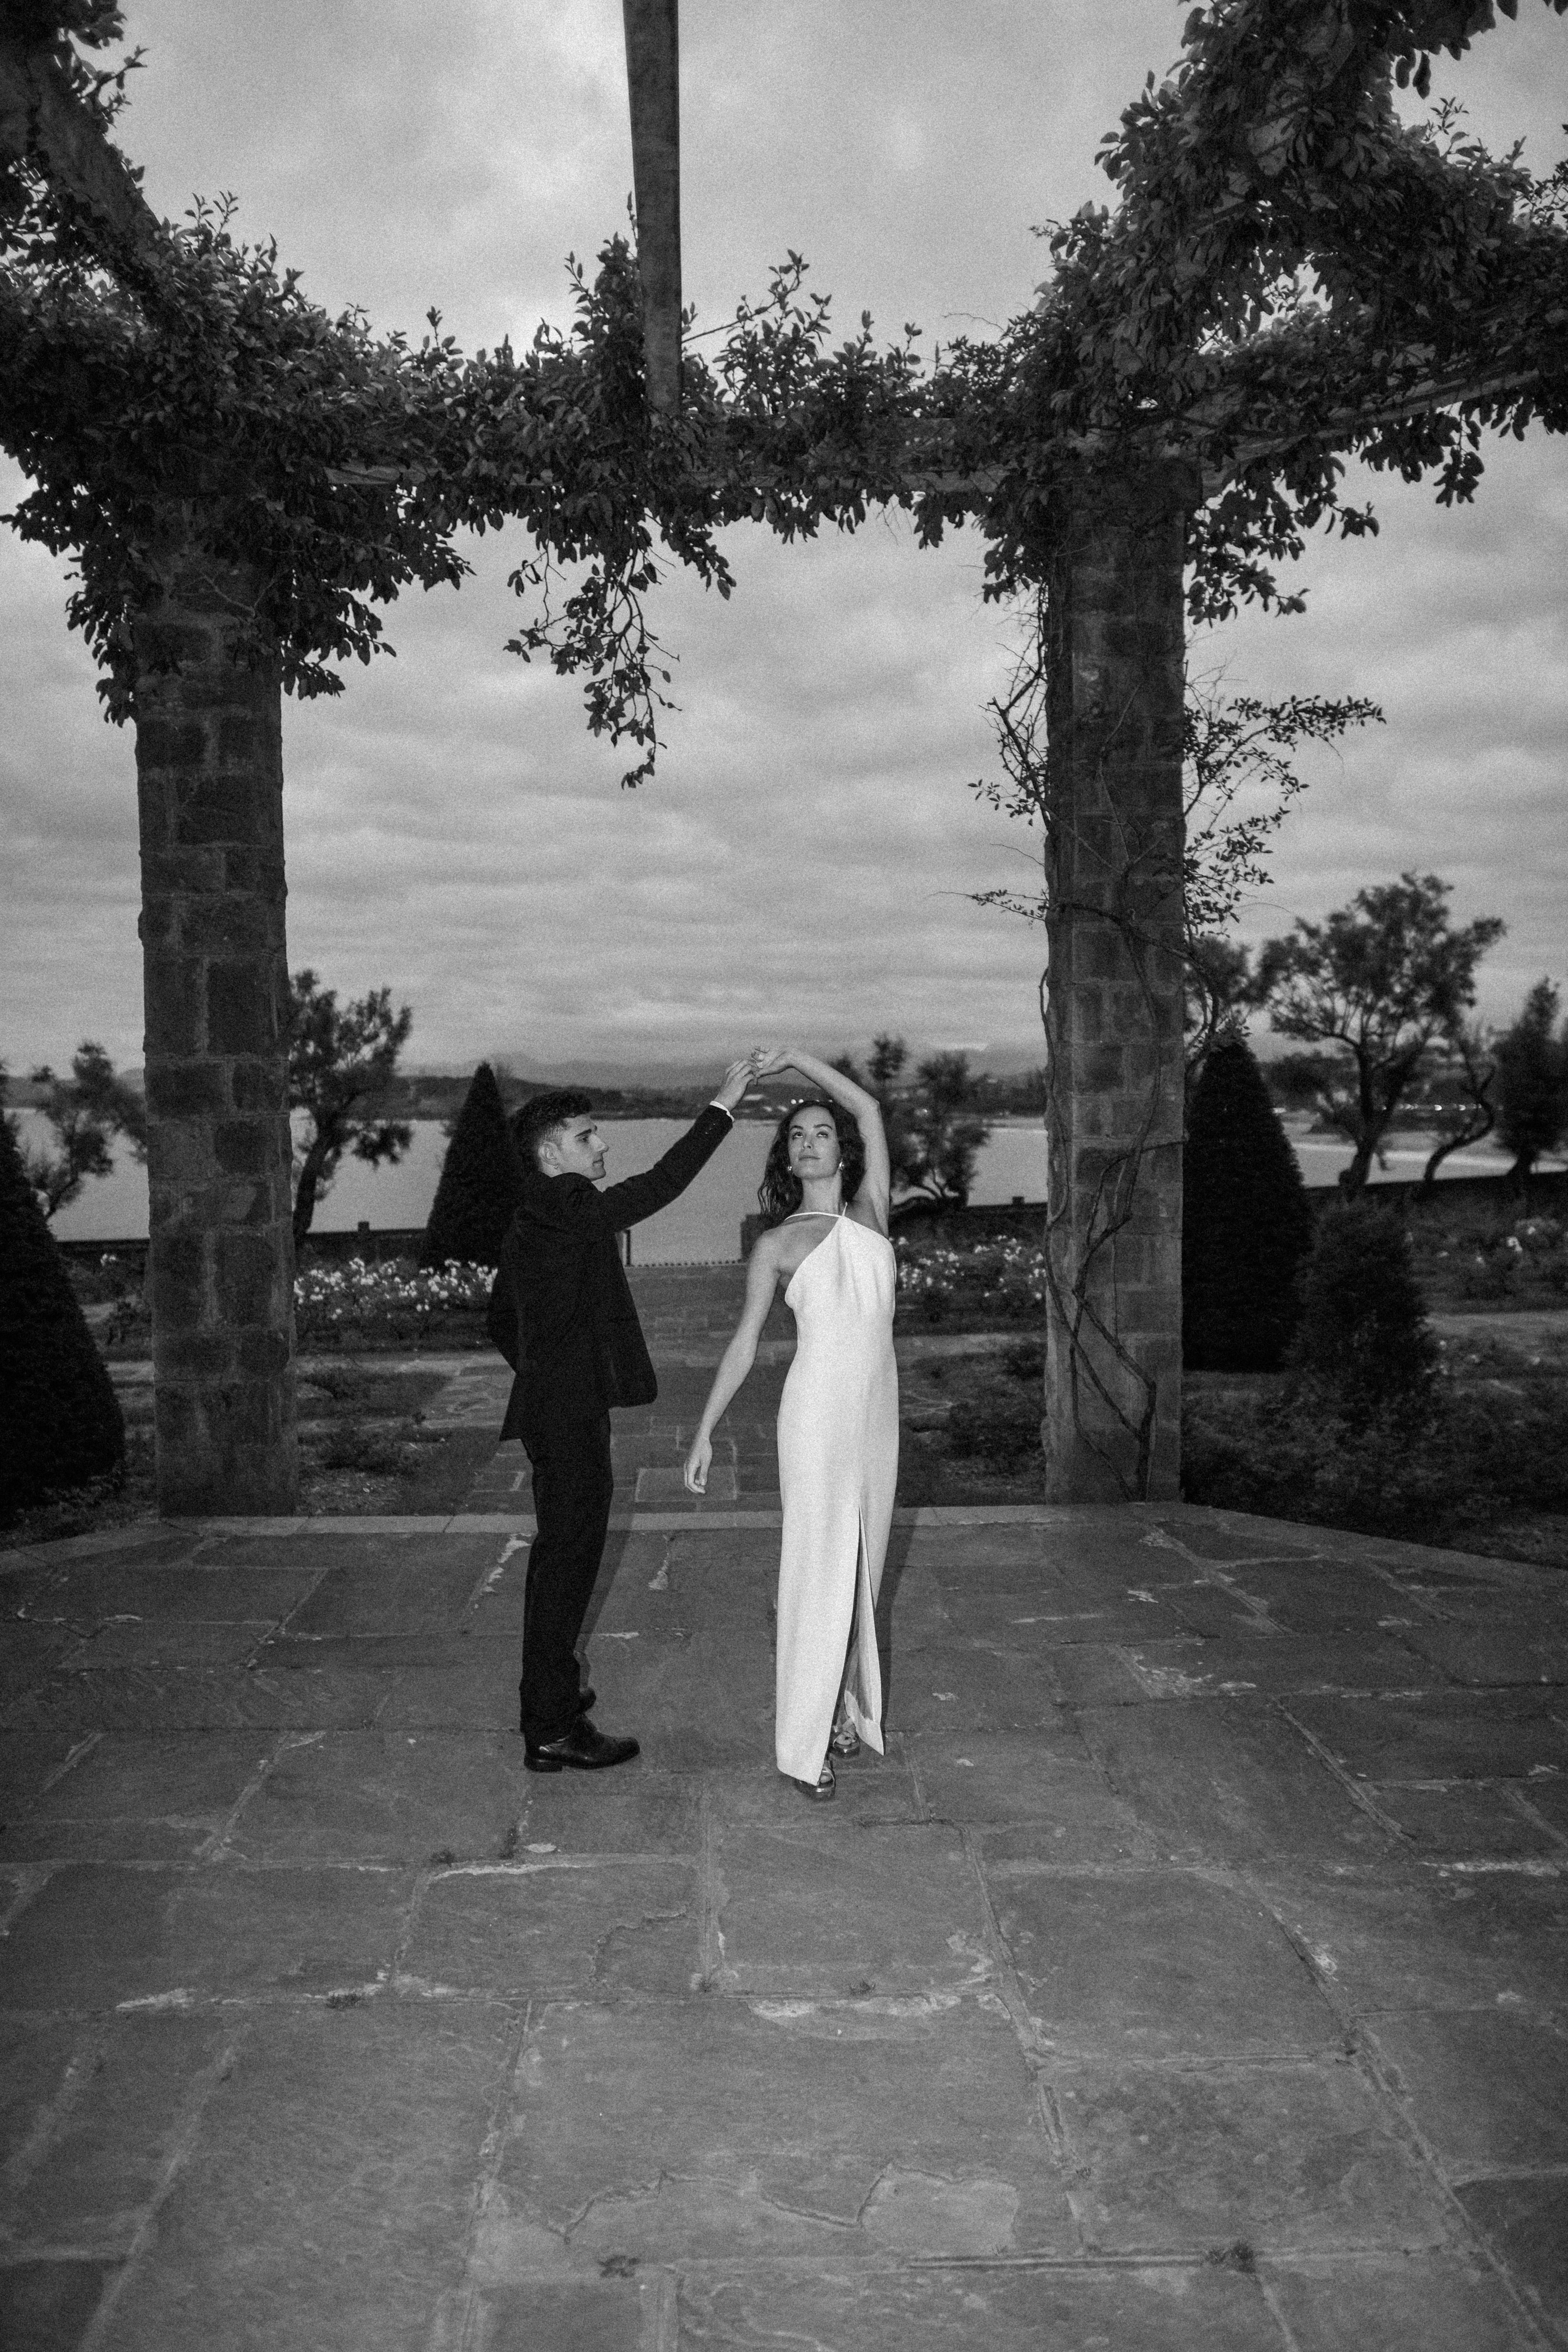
(1290, 274)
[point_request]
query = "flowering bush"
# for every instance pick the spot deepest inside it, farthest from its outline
(1532, 1252)
(1003, 1278)
(340, 1305)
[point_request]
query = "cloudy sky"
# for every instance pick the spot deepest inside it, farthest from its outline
(801, 863)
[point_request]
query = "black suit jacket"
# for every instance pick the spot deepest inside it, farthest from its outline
(561, 1308)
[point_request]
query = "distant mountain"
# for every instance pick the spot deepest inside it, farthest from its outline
(674, 1078)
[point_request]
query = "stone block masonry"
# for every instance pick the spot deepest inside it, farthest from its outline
(1114, 648)
(210, 798)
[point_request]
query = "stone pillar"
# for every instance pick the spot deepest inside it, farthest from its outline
(1114, 862)
(221, 1264)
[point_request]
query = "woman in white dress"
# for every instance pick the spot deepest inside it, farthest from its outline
(826, 1191)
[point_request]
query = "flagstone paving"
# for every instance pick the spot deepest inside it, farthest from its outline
(1190, 1973)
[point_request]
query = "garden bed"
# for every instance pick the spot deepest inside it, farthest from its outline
(1488, 1474)
(364, 1449)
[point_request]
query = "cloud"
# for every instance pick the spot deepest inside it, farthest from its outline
(803, 858)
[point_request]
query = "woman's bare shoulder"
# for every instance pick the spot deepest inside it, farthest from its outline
(862, 1212)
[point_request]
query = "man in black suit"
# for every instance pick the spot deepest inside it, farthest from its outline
(562, 1314)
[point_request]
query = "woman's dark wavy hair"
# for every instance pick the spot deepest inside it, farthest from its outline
(779, 1195)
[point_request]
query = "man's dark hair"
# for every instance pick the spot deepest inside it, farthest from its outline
(541, 1114)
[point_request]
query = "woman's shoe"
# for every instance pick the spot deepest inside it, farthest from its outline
(846, 1739)
(821, 1789)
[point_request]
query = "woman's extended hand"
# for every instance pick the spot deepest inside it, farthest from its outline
(699, 1461)
(774, 1059)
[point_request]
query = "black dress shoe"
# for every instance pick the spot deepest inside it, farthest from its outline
(582, 1749)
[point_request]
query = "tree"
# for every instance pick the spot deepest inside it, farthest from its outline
(1468, 1113)
(944, 1136)
(476, 1196)
(881, 1076)
(1298, 1079)
(1532, 1080)
(1364, 1355)
(1381, 980)
(340, 1062)
(1246, 1222)
(57, 1408)
(87, 1111)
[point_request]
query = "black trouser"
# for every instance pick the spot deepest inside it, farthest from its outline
(572, 1483)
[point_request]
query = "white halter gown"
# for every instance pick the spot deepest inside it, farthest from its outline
(838, 1465)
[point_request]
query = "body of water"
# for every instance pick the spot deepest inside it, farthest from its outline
(704, 1224)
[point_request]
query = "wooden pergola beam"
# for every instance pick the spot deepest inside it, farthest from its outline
(653, 80)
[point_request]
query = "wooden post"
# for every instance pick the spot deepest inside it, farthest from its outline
(1114, 1111)
(221, 1260)
(653, 80)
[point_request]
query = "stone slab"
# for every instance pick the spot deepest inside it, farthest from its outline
(150, 1798)
(156, 1642)
(96, 1936)
(1440, 1736)
(1526, 2224)
(1472, 1819)
(1275, 1665)
(699, 1705)
(992, 1778)
(46, 2306)
(555, 1927)
(1493, 1656)
(418, 1587)
(395, 1797)
(102, 2167)
(1297, 2158)
(85, 1592)
(815, 1907)
(705, 2138)
(872, 1790)
(1487, 2087)
(1228, 1780)
(619, 1812)
(875, 2309)
(150, 1700)
(606, 2315)
(28, 1652)
(337, 2220)
(1414, 1939)
(1157, 1963)
(1058, 1610)
(40, 2058)
(1404, 2303)
(967, 1684)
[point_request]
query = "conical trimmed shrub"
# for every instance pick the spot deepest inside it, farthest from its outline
(61, 1423)
(1246, 1222)
(476, 1196)
(1365, 1351)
